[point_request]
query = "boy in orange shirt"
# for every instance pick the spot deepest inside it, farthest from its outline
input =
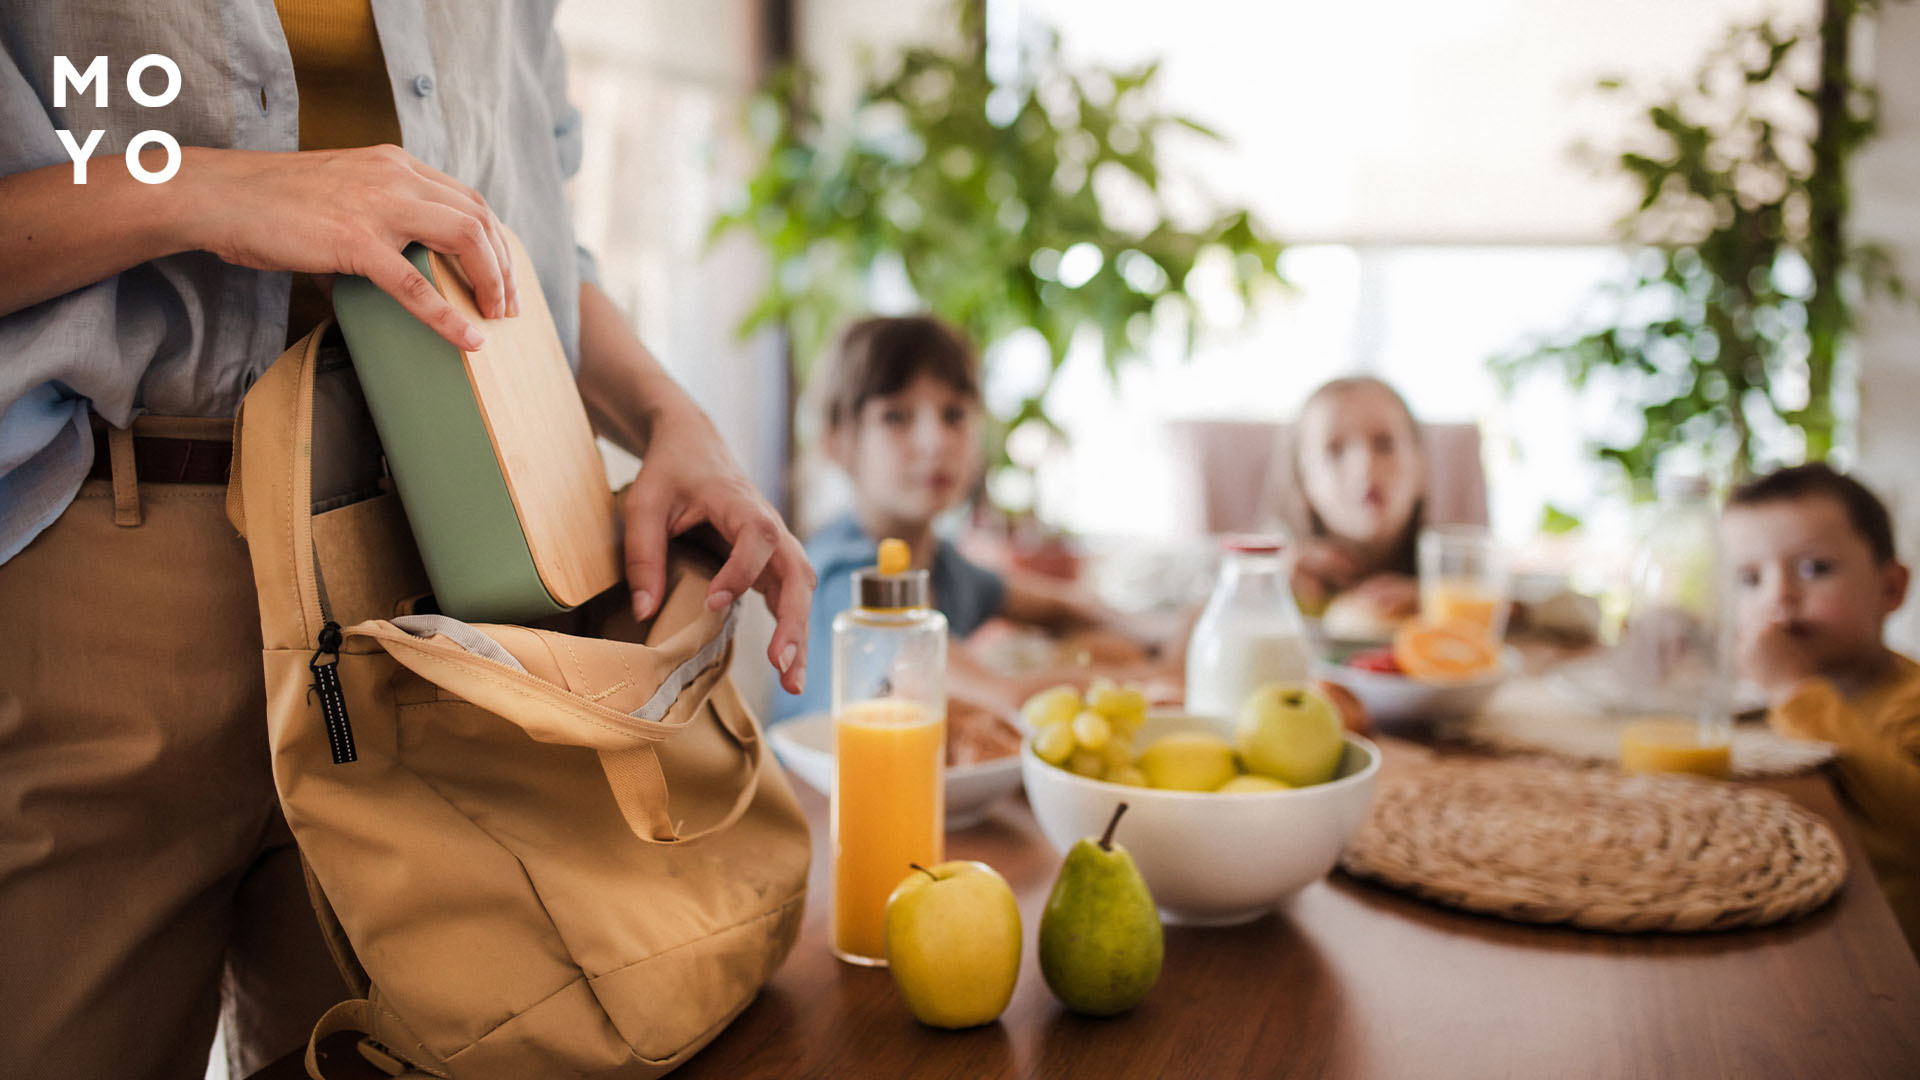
(1815, 578)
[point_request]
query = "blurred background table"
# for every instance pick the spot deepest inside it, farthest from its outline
(1349, 980)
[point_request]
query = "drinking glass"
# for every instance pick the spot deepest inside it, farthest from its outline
(1464, 579)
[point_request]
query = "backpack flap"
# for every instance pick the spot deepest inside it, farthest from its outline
(617, 698)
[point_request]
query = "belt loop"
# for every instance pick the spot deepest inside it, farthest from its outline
(126, 481)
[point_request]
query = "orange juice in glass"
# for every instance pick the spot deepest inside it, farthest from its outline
(887, 813)
(1467, 603)
(1676, 744)
(1464, 578)
(889, 740)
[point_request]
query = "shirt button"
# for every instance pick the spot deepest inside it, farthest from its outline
(423, 85)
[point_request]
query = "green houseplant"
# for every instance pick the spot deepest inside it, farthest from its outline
(1729, 336)
(996, 201)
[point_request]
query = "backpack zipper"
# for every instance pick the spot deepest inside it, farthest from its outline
(325, 671)
(333, 702)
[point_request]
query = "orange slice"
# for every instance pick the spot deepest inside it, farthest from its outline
(1451, 653)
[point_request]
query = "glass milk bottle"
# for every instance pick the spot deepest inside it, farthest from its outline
(1675, 645)
(889, 742)
(1248, 634)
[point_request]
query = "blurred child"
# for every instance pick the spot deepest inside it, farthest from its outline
(1815, 578)
(1348, 489)
(903, 413)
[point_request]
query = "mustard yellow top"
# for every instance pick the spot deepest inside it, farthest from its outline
(346, 100)
(1878, 772)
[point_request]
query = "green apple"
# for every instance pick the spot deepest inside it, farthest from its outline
(952, 941)
(1290, 733)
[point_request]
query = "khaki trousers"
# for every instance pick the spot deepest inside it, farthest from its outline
(147, 879)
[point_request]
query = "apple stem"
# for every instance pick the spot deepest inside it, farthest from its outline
(924, 870)
(1106, 838)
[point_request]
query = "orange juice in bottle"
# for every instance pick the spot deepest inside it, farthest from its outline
(889, 724)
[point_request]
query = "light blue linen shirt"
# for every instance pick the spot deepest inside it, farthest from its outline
(480, 89)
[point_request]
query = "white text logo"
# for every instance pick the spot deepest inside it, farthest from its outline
(65, 75)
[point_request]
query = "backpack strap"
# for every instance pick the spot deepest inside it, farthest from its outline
(386, 1042)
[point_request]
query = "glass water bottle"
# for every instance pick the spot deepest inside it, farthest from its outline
(1675, 645)
(889, 739)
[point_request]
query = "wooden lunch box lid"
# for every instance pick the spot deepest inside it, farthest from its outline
(490, 450)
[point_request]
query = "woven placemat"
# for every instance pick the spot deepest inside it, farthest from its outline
(1596, 848)
(1533, 715)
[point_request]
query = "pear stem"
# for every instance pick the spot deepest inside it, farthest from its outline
(1106, 838)
(924, 870)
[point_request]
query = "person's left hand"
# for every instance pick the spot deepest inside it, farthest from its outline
(1392, 595)
(689, 478)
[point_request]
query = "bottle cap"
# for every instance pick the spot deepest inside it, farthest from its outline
(891, 584)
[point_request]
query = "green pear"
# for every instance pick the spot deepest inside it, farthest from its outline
(1100, 940)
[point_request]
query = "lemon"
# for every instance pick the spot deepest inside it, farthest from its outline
(1188, 761)
(1252, 782)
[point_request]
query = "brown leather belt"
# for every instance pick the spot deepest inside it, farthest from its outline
(166, 459)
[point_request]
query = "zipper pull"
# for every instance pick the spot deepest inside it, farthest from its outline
(333, 703)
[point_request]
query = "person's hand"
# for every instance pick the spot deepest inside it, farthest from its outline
(1101, 645)
(353, 212)
(688, 478)
(1319, 569)
(1776, 660)
(1391, 595)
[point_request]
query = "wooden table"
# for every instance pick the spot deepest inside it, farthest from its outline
(1350, 980)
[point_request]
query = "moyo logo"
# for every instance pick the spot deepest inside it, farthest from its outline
(65, 75)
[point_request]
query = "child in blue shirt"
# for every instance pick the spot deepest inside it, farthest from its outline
(903, 412)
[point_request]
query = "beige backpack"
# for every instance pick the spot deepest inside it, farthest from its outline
(536, 851)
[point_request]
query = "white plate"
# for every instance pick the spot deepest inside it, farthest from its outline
(805, 746)
(1392, 700)
(1605, 680)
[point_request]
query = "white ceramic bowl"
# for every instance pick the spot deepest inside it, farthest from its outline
(805, 746)
(1396, 700)
(1211, 859)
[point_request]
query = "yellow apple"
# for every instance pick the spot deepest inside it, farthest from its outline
(952, 942)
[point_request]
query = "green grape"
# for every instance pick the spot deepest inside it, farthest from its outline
(1123, 706)
(1087, 763)
(1118, 753)
(1054, 705)
(1054, 744)
(1092, 730)
(1130, 776)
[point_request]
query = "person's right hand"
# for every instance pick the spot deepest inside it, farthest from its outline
(1330, 562)
(353, 212)
(1319, 570)
(1775, 659)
